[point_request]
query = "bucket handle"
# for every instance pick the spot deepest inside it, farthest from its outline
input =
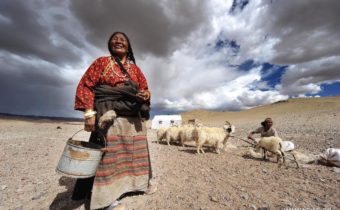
(96, 131)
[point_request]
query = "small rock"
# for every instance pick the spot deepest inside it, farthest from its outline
(263, 208)
(38, 196)
(245, 196)
(3, 187)
(179, 197)
(58, 127)
(18, 208)
(336, 170)
(323, 180)
(286, 203)
(319, 200)
(19, 190)
(214, 199)
(252, 206)
(264, 171)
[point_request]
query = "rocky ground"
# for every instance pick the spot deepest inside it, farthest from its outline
(30, 151)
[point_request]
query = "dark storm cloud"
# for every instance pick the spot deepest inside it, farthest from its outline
(34, 88)
(25, 32)
(32, 73)
(156, 27)
(308, 30)
(308, 77)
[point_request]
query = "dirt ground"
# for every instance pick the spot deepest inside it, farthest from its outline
(30, 151)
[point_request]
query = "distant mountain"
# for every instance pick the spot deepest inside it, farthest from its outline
(34, 117)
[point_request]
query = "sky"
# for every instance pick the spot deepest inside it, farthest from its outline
(223, 55)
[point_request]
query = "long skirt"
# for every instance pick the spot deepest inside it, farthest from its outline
(125, 166)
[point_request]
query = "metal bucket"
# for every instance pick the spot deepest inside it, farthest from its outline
(80, 159)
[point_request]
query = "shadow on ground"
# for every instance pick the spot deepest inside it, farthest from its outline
(63, 200)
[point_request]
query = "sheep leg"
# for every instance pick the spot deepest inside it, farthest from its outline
(182, 142)
(278, 156)
(225, 146)
(264, 154)
(283, 157)
(198, 148)
(201, 148)
(297, 164)
(218, 147)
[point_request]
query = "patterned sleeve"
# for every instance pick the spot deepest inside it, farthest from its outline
(143, 85)
(84, 93)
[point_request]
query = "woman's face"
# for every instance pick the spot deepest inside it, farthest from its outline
(269, 123)
(119, 45)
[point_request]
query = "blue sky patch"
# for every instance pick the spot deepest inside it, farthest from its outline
(247, 65)
(238, 5)
(272, 73)
(235, 48)
(330, 89)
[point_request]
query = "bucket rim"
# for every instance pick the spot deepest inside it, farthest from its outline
(69, 142)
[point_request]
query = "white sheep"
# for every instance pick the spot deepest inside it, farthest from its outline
(272, 144)
(187, 131)
(212, 136)
(172, 134)
(161, 134)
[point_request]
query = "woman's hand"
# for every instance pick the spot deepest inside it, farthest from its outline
(90, 123)
(144, 95)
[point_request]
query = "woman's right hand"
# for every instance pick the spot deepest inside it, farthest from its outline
(90, 124)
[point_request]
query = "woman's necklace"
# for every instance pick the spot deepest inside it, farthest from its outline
(113, 69)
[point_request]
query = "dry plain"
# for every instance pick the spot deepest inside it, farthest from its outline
(30, 150)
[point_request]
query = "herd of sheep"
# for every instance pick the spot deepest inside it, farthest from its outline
(202, 135)
(215, 137)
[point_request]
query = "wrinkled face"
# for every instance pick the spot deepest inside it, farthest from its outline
(119, 45)
(269, 123)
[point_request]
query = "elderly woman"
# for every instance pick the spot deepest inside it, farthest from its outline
(266, 130)
(115, 83)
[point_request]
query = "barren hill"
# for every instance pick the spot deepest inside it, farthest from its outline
(277, 109)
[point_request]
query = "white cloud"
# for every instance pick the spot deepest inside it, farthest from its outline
(268, 32)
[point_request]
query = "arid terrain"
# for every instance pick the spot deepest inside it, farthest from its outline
(30, 151)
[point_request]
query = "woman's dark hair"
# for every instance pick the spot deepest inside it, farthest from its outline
(130, 55)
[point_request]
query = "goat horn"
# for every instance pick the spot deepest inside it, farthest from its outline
(227, 122)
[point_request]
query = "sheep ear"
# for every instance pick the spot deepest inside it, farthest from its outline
(228, 123)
